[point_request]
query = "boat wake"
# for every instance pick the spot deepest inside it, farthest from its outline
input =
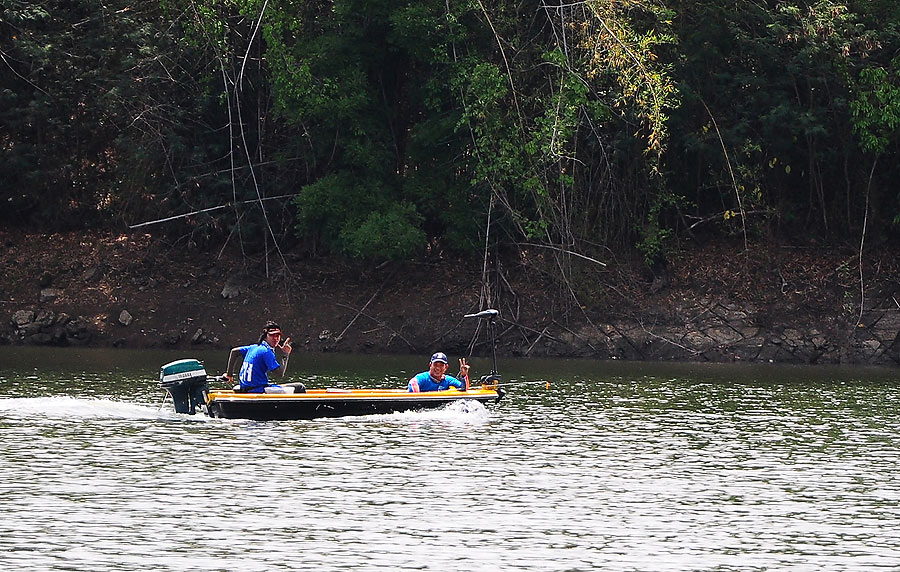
(467, 412)
(82, 408)
(65, 407)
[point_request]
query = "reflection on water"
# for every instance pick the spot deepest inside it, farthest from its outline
(615, 467)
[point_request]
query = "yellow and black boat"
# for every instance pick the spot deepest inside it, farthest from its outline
(187, 383)
(334, 402)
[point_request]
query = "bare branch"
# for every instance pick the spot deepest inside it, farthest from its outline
(226, 205)
(563, 250)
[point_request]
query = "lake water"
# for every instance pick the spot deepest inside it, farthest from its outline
(615, 467)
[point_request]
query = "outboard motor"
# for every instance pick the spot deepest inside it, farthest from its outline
(185, 381)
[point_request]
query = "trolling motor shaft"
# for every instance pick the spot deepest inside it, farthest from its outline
(490, 381)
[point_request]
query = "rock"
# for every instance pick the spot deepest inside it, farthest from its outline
(723, 336)
(41, 339)
(746, 331)
(92, 275)
(48, 328)
(171, 338)
(78, 329)
(50, 294)
(233, 288)
(750, 349)
(58, 336)
(22, 317)
(871, 346)
(125, 318)
(792, 337)
(28, 330)
(696, 340)
(45, 318)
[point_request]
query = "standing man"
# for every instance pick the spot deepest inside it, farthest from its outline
(259, 360)
(436, 378)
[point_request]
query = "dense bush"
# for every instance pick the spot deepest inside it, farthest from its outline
(385, 129)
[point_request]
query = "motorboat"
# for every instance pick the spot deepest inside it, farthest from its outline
(187, 383)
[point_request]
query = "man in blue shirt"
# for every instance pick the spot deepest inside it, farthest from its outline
(436, 378)
(258, 360)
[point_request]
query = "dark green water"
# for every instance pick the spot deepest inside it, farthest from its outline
(616, 466)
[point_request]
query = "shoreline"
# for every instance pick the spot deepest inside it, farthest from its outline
(786, 305)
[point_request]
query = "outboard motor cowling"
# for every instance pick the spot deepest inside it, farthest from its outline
(185, 381)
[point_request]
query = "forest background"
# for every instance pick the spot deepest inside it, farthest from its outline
(593, 161)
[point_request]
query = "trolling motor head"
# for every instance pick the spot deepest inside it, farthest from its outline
(489, 313)
(489, 381)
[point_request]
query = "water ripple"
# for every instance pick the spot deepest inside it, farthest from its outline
(637, 473)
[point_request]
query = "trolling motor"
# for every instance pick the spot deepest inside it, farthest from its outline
(185, 380)
(490, 381)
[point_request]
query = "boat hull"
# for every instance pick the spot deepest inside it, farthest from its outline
(334, 403)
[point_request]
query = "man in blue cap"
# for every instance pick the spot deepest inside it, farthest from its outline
(436, 378)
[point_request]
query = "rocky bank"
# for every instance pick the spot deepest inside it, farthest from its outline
(772, 303)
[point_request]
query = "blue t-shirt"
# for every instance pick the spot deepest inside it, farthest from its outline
(259, 360)
(424, 382)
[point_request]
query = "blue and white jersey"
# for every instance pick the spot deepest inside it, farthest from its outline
(259, 360)
(424, 382)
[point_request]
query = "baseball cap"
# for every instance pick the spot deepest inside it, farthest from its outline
(440, 356)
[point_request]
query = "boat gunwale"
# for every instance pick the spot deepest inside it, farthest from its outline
(354, 394)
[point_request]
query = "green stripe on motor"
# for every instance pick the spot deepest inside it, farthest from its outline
(181, 366)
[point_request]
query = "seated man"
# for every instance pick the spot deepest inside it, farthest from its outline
(435, 379)
(258, 361)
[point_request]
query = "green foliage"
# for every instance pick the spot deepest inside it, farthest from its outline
(396, 123)
(778, 81)
(394, 234)
(93, 118)
(56, 114)
(624, 46)
(361, 81)
(357, 217)
(876, 108)
(654, 234)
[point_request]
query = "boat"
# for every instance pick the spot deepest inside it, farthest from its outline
(334, 402)
(187, 383)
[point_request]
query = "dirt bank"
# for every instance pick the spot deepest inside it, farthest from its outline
(713, 303)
